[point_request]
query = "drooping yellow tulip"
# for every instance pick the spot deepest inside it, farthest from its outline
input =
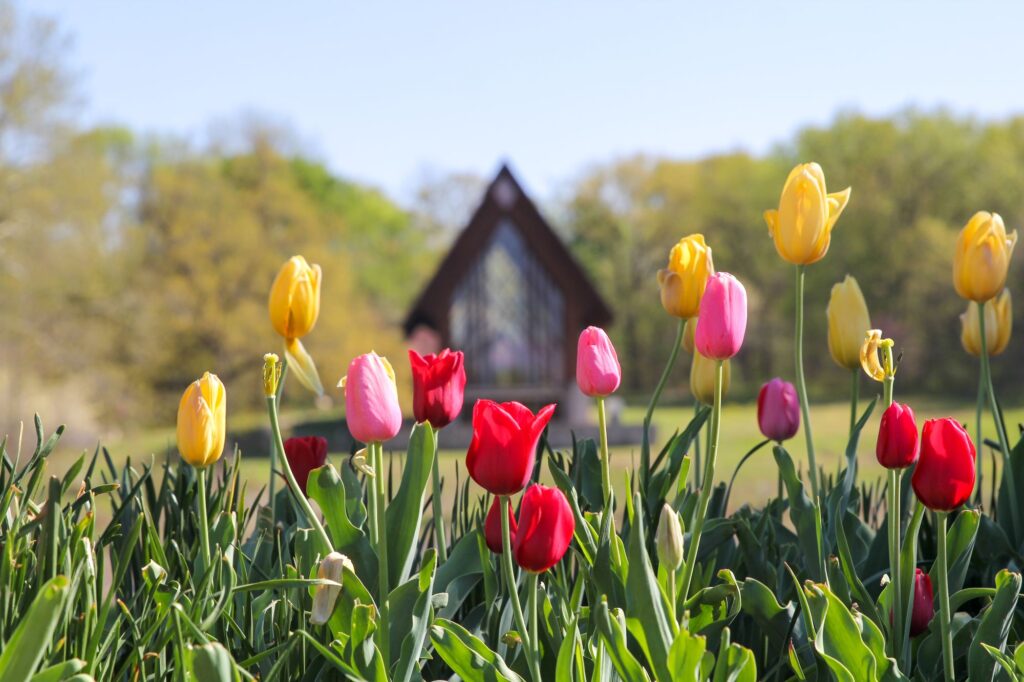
(998, 325)
(682, 282)
(982, 257)
(702, 378)
(202, 415)
(294, 306)
(848, 322)
(874, 345)
(802, 225)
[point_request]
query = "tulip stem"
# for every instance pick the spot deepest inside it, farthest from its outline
(606, 471)
(705, 490)
(204, 521)
(377, 450)
(894, 562)
(438, 507)
(979, 442)
(273, 473)
(986, 371)
(696, 447)
(532, 599)
(801, 384)
(944, 614)
(854, 397)
(645, 449)
(513, 588)
(672, 595)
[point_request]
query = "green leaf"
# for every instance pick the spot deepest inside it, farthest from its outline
(60, 672)
(26, 647)
(467, 655)
(326, 486)
(735, 664)
(615, 644)
(418, 621)
(1009, 667)
(994, 627)
(960, 542)
(644, 597)
(213, 662)
(685, 657)
(802, 513)
(405, 511)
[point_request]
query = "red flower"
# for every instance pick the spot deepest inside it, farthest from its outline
(944, 476)
(492, 526)
(924, 606)
(504, 445)
(778, 410)
(897, 446)
(545, 529)
(305, 454)
(439, 383)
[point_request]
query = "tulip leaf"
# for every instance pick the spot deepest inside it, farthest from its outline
(27, 646)
(686, 657)
(415, 622)
(467, 655)
(644, 597)
(960, 543)
(801, 512)
(735, 663)
(615, 645)
(213, 662)
(327, 488)
(60, 671)
(405, 511)
(994, 627)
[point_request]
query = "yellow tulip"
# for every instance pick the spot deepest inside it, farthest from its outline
(877, 369)
(682, 282)
(848, 322)
(201, 421)
(998, 325)
(702, 378)
(688, 332)
(982, 257)
(802, 225)
(295, 298)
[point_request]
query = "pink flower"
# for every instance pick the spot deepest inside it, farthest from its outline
(778, 410)
(722, 320)
(597, 366)
(371, 399)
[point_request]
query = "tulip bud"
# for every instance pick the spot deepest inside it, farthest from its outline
(873, 345)
(998, 325)
(305, 453)
(371, 399)
(202, 414)
(546, 527)
(598, 373)
(924, 603)
(848, 322)
(944, 476)
(682, 282)
(332, 567)
(702, 378)
(492, 526)
(295, 298)
(669, 541)
(439, 384)
(897, 446)
(722, 322)
(778, 410)
(982, 257)
(802, 225)
(504, 445)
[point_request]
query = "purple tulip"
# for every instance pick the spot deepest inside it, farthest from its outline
(778, 410)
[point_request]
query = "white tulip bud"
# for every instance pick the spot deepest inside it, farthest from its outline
(332, 567)
(670, 539)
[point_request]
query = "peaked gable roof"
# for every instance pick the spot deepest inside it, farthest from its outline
(505, 199)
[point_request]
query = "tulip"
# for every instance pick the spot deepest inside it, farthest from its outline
(944, 476)
(848, 321)
(294, 306)
(688, 331)
(504, 445)
(371, 399)
(669, 539)
(998, 325)
(702, 378)
(492, 526)
(982, 257)
(202, 414)
(802, 225)
(332, 567)
(778, 410)
(682, 282)
(869, 350)
(304, 454)
(723, 318)
(897, 446)
(439, 384)
(546, 526)
(924, 603)
(598, 372)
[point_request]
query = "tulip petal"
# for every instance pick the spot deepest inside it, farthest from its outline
(300, 362)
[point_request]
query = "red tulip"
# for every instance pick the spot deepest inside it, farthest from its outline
(504, 445)
(778, 410)
(722, 321)
(545, 529)
(924, 605)
(597, 365)
(439, 382)
(944, 476)
(305, 454)
(492, 526)
(897, 446)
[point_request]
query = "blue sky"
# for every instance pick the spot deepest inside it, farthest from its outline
(384, 92)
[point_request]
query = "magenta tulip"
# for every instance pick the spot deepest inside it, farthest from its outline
(722, 320)
(778, 410)
(371, 399)
(598, 372)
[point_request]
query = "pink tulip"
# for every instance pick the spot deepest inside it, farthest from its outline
(371, 399)
(778, 410)
(722, 320)
(597, 366)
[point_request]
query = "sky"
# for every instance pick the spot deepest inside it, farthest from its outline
(387, 93)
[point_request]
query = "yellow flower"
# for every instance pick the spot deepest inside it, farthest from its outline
(848, 322)
(295, 298)
(702, 378)
(201, 421)
(802, 225)
(982, 257)
(682, 282)
(869, 351)
(998, 325)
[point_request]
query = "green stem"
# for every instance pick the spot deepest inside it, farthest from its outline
(696, 448)
(705, 491)
(801, 384)
(606, 471)
(382, 549)
(439, 540)
(204, 520)
(672, 595)
(513, 590)
(979, 441)
(645, 451)
(986, 370)
(854, 396)
(532, 598)
(273, 473)
(944, 614)
(894, 562)
(275, 429)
